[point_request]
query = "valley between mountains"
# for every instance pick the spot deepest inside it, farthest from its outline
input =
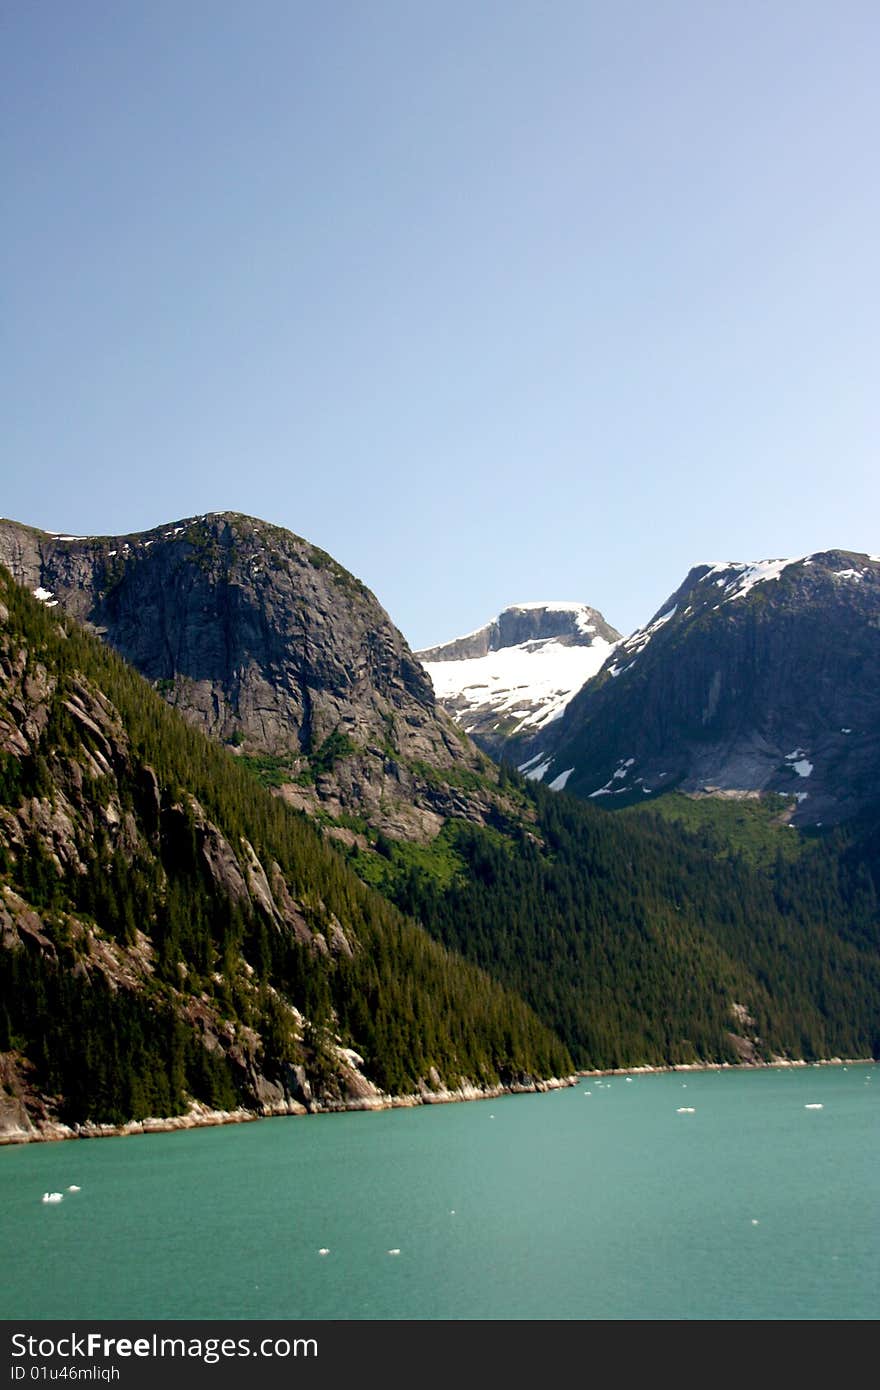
(256, 855)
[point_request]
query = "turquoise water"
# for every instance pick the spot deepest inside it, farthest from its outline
(566, 1205)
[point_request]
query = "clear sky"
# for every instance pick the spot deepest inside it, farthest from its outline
(493, 301)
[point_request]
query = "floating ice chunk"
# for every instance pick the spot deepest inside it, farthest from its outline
(395, 1251)
(803, 767)
(323, 1250)
(73, 1188)
(53, 1196)
(817, 1106)
(686, 1110)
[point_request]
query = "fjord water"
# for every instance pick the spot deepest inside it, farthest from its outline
(599, 1202)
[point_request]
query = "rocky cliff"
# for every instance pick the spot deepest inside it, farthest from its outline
(512, 678)
(264, 642)
(171, 935)
(751, 678)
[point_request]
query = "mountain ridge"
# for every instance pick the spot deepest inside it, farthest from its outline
(513, 676)
(265, 642)
(750, 678)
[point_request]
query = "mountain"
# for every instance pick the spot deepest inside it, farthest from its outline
(266, 643)
(172, 935)
(631, 940)
(509, 680)
(751, 678)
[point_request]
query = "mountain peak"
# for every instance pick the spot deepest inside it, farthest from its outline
(753, 676)
(517, 673)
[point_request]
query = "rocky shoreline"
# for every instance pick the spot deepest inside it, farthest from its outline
(20, 1129)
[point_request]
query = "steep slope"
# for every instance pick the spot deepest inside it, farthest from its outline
(644, 943)
(751, 678)
(264, 642)
(171, 933)
(512, 678)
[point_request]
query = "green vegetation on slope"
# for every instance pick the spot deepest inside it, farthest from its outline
(752, 828)
(400, 999)
(633, 939)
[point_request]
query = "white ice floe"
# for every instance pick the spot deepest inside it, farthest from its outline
(73, 1188)
(323, 1250)
(686, 1110)
(816, 1106)
(53, 1196)
(395, 1251)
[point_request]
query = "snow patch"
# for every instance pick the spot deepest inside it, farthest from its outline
(530, 683)
(799, 762)
(738, 579)
(537, 773)
(639, 639)
(558, 783)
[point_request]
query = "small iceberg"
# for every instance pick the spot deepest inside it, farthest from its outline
(686, 1110)
(394, 1252)
(813, 1107)
(73, 1188)
(53, 1196)
(323, 1250)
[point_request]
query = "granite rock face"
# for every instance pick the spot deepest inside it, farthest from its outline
(751, 678)
(266, 643)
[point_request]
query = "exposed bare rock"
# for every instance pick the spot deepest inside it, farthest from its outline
(20, 925)
(257, 883)
(759, 677)
(264, 641)
(290, 911)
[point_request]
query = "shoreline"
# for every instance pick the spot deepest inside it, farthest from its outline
(200, 1116)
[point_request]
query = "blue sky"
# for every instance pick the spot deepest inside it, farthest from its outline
(493, 301)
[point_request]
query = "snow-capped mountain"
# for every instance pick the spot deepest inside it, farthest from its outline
(514, 677)
(752, 677)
